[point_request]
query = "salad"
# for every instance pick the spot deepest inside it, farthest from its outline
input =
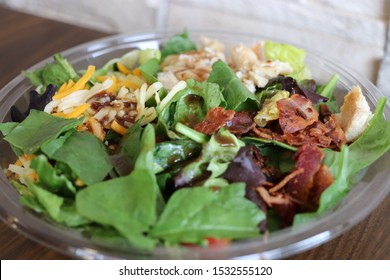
(186, 145)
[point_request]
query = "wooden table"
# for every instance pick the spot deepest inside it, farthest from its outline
(26, 39)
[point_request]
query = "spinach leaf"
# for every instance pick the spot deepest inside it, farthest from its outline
(193, 214)
(86, 156)
(168, 153)
(130, 146)
(37, 129)
(55, 73)
(327, 90)
(214, 159)
(6, 128)
(345, 164)
(127, 203)
(237, 96)
(190, 106)
(49, 179)
(150, 69)
(49, 148)
(373, 143)
(177, 44)
(56, 207)
(264, 142)
(145, 159)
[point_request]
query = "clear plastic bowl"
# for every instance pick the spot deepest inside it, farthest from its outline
(362, 199)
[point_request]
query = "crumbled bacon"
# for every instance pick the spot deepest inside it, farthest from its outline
(296, 113)
(266, 133)
(283, 204)
(328, 135)
(242, 122)
(309, 157)
(335, 132)
(325, 113)
(215, 119)
(322, 180)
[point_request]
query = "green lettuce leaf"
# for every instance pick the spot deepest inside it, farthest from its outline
(150, 69)
(193, 214)
(237, 96)
(56, 207)
(127, 203)
(214, 158)
(190, 106)
(177, 44)
(48, 177)
(86, 156)
(168, 153)
(288, 53)
(37, 129)
(55, 73)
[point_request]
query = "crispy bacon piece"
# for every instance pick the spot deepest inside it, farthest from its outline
(215, 119)
(296, 113)
(325, 113)
(309, 157)
(283, 204)
(314, 134)
(266, 133)
(242, 122)
(328, 135)
(335, 132)
(322, 180)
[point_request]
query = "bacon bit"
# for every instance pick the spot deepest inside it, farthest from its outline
(322, 180)
(336, 133)
(242, 122)
(215, 119)
(328, 135)
(308, 157)
(283, 204)
(296, 113)
(286, 179)
(266, 133)
(269, 199)
(268, 184)
(325, 113)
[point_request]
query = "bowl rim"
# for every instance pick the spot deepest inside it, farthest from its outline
(294, 239)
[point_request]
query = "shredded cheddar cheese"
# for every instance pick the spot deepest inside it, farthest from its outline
(118, 128)
(75, 113)
(80, 84)
(123, 68)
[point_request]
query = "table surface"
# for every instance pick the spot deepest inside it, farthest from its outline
(26, 40)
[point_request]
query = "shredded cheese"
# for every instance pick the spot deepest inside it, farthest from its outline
(123, 68)
(75, 113)
(137, 72)
(118, 128)
(80, 84)
(178, 87)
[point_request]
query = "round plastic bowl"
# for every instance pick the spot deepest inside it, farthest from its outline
(361, 200)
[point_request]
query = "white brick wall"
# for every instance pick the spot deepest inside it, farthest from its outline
(352, 31)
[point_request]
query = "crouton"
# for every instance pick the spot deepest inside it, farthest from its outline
(354, 114)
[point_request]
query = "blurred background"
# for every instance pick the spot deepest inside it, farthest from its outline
(354, 32)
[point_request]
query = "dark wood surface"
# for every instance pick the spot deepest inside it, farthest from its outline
(26, 39)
